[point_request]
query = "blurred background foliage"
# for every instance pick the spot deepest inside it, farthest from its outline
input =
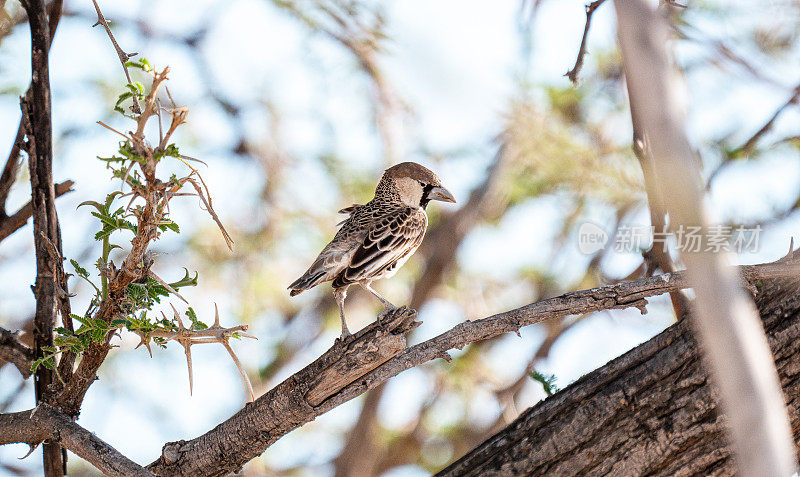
(298, 106)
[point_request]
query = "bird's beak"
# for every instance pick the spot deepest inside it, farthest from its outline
(440, 193)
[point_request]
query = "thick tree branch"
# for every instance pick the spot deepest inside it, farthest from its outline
(16, 353)
(294, 402)
(50, 286)
(34, 426)
(652, 411)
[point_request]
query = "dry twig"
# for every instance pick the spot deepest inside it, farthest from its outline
(576, 70)
(123, 57)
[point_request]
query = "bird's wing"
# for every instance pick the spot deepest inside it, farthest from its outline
(334, 257)
(394, 236)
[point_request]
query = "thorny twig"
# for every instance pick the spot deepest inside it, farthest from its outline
(123, 57)
(747, 148)
(187, 337)
(575, 71)
(206, 199)
(153, 213)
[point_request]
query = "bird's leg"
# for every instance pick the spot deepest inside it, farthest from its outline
(387, 306)
(340, 294)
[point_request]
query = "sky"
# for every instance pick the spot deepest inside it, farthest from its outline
(458, 63)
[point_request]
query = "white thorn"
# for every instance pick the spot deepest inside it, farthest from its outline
(241, 370)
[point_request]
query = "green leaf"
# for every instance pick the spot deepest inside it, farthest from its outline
(548, 382)
(141, 64)
(196, 323)
(78, 269)
(172, 150)
(97, 205)
(119, 323)
(120, 99)
(186, 281)
(169, 225)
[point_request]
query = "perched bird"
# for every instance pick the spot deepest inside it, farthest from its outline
(378, 237)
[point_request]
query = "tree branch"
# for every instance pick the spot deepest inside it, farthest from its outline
(748, 146)
(376, 354)
(16, 353)
(34, 426)
(9, 174)
(123, 57)
(50, 286)
(658, 255)
(14, 222)
(652, 411)
(576, 70)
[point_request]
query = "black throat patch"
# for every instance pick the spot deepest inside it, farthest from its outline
(424, 201)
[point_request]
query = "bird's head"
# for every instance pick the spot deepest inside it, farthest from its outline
(416, 185)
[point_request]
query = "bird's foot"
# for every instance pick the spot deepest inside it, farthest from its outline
(345, 336)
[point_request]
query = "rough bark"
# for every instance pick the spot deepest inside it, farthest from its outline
(286, 407)
(299, 399)
(651, 411)
(12, 351)
(47, 236)
(45, 422)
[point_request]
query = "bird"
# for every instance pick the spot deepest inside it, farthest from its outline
(378, 237)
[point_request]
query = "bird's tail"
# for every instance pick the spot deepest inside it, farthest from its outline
(309, 279)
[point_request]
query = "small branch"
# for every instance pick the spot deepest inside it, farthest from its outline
(658, 255)
(123, 57)
(9, 174)
(14, 222)
(16, 353)
(32, 427)
(188, 337)
(576, 70)
(316, 389)
(748, 146)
